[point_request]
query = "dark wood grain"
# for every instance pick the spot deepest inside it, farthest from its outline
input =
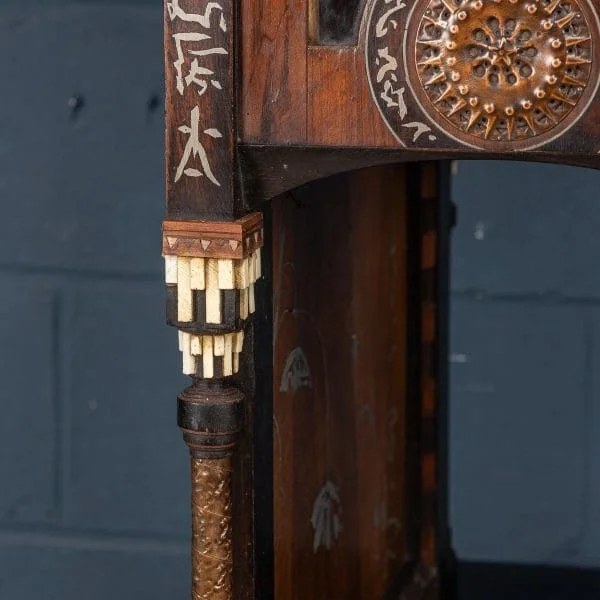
(429, 205)
(272, 170)
(340, 278)
(200, 130)
(273, 71)
(340, 109)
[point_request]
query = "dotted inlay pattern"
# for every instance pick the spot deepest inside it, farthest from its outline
(503, 70)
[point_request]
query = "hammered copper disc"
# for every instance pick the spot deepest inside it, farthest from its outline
(503, 70)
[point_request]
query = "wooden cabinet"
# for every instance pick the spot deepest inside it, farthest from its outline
(307, 248)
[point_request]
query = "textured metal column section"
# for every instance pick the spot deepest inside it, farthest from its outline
(210, 415)
(212, 560)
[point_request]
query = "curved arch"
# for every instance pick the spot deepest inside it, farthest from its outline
(272, 170)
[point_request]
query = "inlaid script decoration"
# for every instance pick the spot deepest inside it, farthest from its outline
(200, 43)
(489, 74)
(386, 71)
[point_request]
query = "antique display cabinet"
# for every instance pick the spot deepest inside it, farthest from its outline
(306, 255)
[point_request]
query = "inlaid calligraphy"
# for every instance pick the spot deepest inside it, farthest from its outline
(195, 72)
(386, 70)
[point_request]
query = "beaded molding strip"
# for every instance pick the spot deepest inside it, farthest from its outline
(210, 272)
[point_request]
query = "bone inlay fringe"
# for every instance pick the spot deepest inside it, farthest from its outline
(210, 356)
(213, 275)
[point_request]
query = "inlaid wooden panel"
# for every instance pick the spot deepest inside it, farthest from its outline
(200, 94)
(378, 74)
(343, 528)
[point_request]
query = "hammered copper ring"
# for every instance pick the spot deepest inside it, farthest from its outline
(497, 72)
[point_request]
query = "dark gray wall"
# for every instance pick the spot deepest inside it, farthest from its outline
(94, 494)
(525, 396)
(94, 498)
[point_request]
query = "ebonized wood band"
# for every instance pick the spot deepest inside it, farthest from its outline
(211, 415)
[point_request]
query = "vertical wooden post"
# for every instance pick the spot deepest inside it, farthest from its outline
(212, 261)
(200, 98)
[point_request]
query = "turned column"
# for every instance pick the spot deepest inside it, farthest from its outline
(211, 269)
(212, 260)
(210, 417)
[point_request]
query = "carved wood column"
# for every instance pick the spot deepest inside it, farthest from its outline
(212, 261)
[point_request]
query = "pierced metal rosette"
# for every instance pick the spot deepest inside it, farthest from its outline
(503, 70)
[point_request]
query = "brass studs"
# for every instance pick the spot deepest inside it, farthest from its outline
(499, 60)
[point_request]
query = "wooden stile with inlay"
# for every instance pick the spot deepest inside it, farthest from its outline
(306, 248)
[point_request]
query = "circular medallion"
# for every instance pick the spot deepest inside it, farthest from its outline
(503, 70)
(491, 74)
